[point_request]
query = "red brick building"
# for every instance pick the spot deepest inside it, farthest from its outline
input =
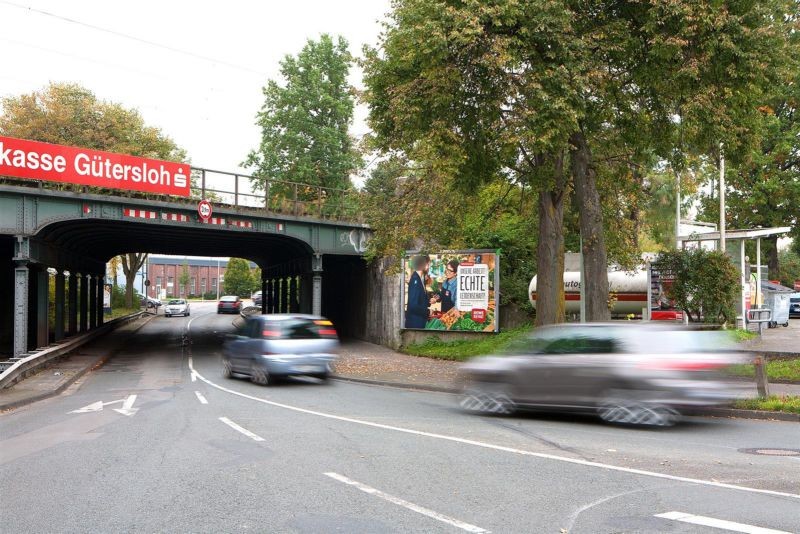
(164, 274)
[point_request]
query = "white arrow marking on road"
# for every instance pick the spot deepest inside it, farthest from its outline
(194, 376)
(127, 407)
(96, 406)
(201, 398)
(718, 523)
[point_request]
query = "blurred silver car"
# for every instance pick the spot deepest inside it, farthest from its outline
(632, 374)
(177, 307)
(267, 348)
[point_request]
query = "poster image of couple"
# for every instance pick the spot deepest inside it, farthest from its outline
(450, 291)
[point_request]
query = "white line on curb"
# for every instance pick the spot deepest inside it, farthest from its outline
(405, 504)
(201, 398)
(501, 447)
(244, 431)
(718, 523)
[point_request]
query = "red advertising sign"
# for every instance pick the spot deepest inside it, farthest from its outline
(21, 158)
(479, 316)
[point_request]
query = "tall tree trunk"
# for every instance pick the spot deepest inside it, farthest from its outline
(595, 261)
(550, 252)
(772, 257)
(131, 263)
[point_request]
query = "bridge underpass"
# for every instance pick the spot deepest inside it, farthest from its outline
(65, 238)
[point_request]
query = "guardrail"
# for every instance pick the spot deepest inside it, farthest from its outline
(34, 362)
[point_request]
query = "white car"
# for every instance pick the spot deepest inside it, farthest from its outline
(176, 307)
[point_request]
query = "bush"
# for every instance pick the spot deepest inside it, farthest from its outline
(706, 284)
(118, 297)
(210, 296)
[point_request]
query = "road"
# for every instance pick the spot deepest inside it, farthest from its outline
(157, 441)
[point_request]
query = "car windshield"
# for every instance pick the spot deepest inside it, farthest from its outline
(228, 299)
(177, 301)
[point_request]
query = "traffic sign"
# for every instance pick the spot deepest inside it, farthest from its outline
(204, 210)
(147, 283)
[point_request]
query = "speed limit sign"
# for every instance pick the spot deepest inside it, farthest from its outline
(204, 210)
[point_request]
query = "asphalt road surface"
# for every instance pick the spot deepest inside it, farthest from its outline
(157, 441)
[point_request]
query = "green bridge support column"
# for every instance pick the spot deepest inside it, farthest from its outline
(293, 308)
(91, 280)
(316, 284)
(42, 292)
(264, 303)
(58, 331)
(72, 299)
(21, 296)
(84, 303)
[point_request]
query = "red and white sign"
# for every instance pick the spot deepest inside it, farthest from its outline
(21, 158)
(479, 316)
(139, 214)
(241, 224)
(204, 210)
(178, 217)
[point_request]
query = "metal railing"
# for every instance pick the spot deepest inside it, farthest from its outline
(232, 190)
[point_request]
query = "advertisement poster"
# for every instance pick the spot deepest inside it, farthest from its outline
(451, 290)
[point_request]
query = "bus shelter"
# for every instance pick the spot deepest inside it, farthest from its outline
(735, 248)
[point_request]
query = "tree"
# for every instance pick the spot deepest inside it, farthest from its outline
(131, 263)
(548, 94)
(184, 277)
(706, 284)
(238, 280)
(256, 277)
(69, 114)
(304, 122)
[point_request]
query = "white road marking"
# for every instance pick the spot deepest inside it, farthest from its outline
(194, 377)
(201, 398)
(405, 504)
(240, 429)
(127, 406)
(500, 447)
(718, 523)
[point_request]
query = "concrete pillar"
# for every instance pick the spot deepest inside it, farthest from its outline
(84, 303)
(264, 305)
(92, 282)
(21, 294)
(100, 299)
(58, 329)
(305, 293)
(42, 299)
(293, 294)
(267, 295)
(72, 299)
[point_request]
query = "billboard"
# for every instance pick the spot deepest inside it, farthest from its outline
(21, 158)
(453, 290)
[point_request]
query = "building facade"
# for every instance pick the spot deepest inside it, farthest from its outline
(205, 277)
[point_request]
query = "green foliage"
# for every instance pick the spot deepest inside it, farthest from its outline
(118, 297)
(706, 284)
(774, 403)
(184, 277)
(784, 369)
(238, 279)
(790, 267)
(304, 122)
(68, 114)
(255, 274)
(460, 350)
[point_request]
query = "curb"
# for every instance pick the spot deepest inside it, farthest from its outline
(708, 412)
(101, 360)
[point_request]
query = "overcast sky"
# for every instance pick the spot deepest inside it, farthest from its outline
(194, 69)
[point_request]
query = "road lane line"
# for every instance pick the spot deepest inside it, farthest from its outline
(405, 504)
(244, 431)
(718, 523)
(502, 448)
(201, 398)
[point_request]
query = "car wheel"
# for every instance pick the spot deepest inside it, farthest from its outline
(258, 375)
(622, 407)
(227, 369)
(167, 315)
(488, 400)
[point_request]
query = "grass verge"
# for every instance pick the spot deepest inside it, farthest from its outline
(462, 349)
(773, 403)
(788, 369)
(740, 335)
(121, 312)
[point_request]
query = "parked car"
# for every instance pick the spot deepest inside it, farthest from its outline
(794, 305)
(177, 307)
(630, 374)
(267, 348)
(257, 298)
(229, 304)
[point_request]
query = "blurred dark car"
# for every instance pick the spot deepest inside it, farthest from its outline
(257, 298)
(268, 348)
(794, 307)
(149, 302)
(229, 304)
(631, 374)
